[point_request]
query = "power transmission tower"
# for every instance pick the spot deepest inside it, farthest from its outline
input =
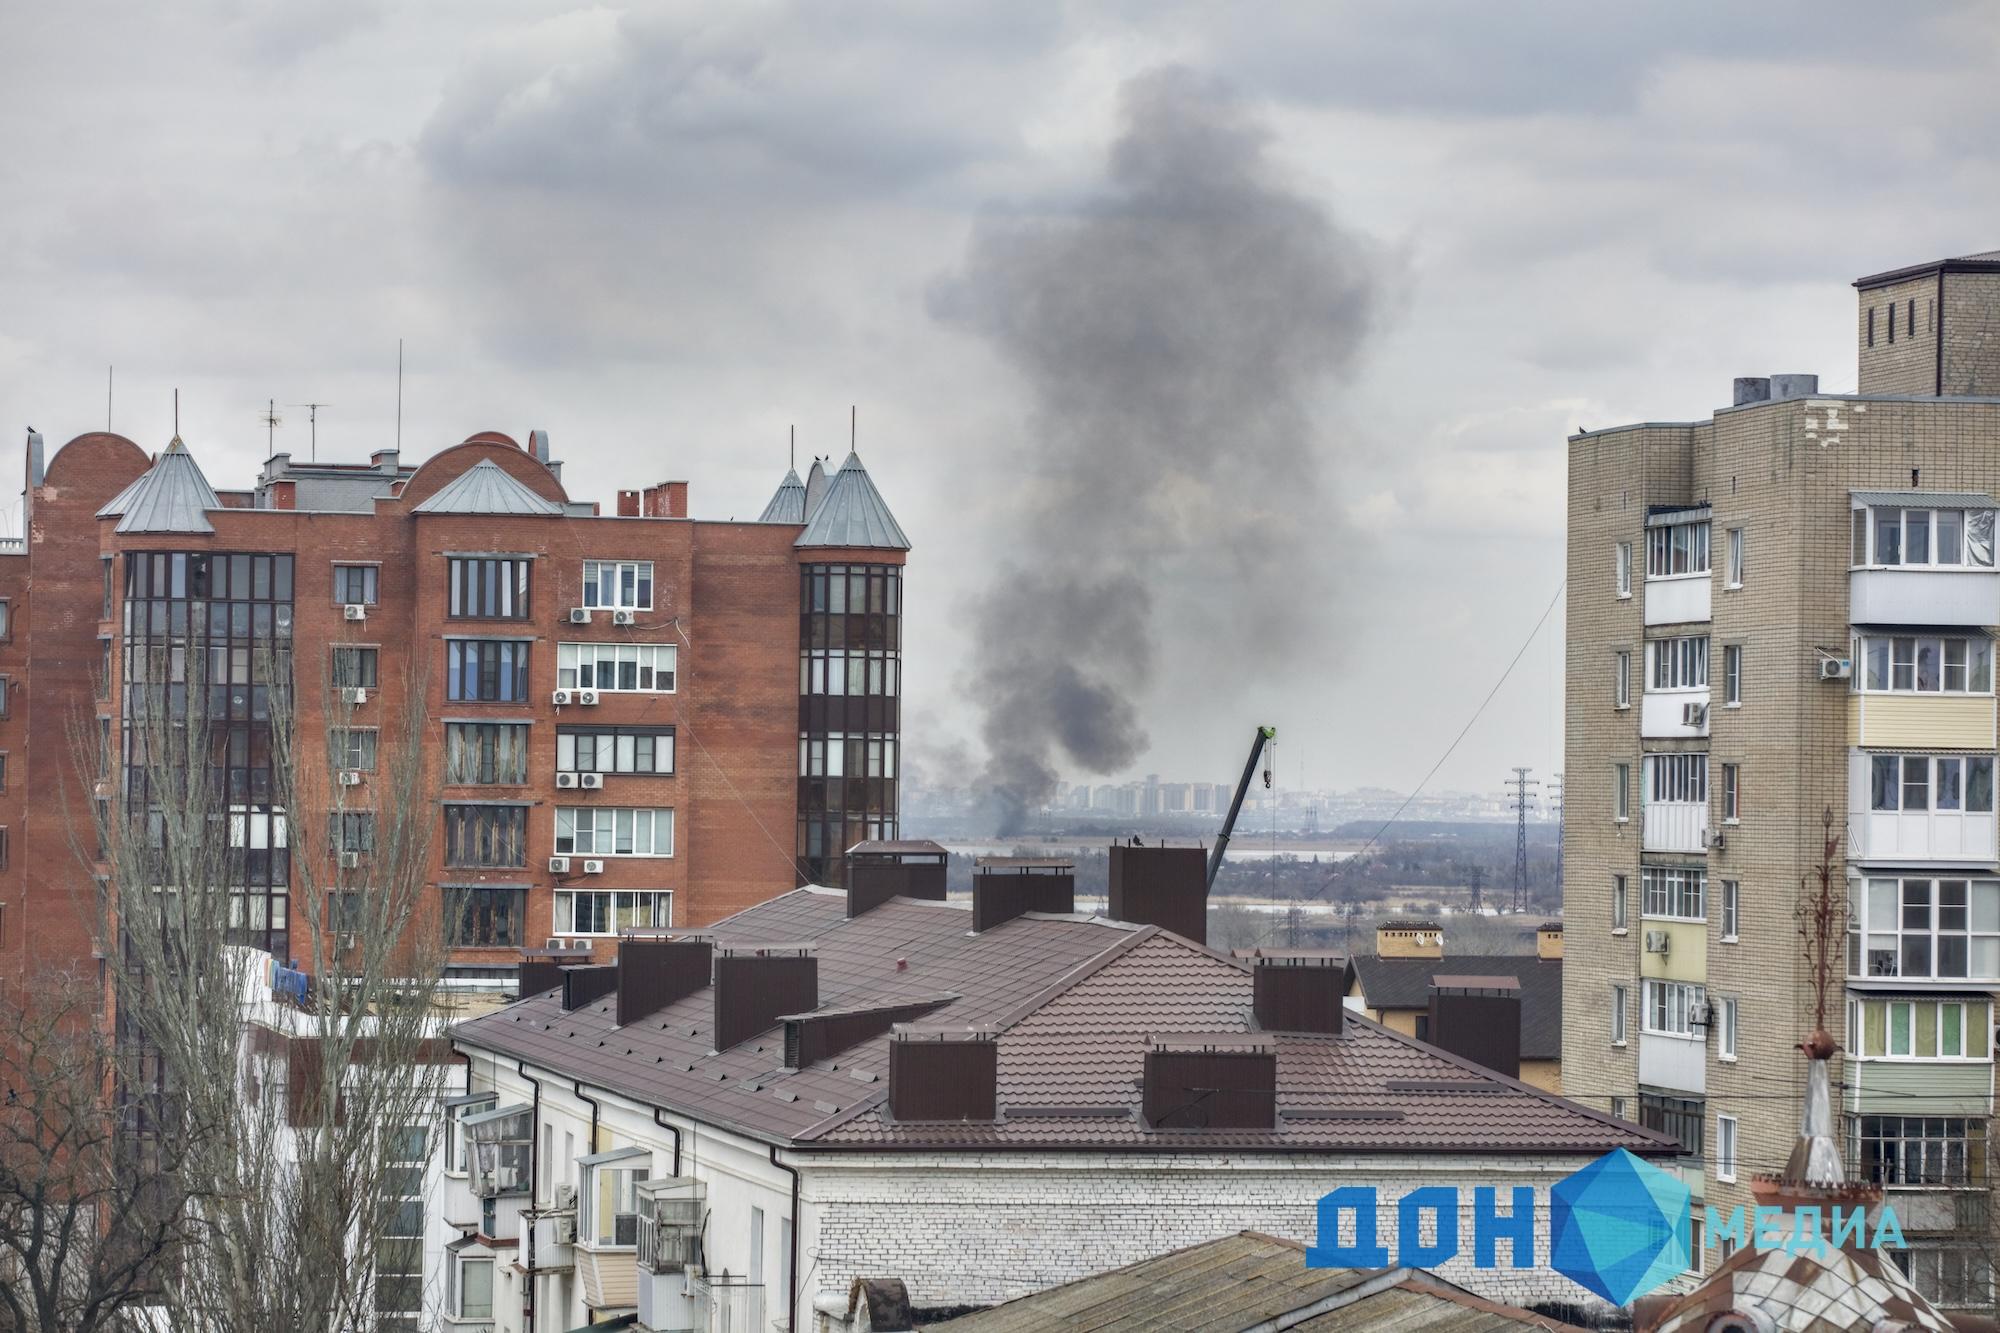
(1478, 879)
(1520, 782)
(1556, 809)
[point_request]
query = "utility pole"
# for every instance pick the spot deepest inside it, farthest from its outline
(1520, 782)
(1478, 879)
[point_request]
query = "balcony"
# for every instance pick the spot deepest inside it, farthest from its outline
(1673, 714)
(1679, 599)
(1678, 1063)
(1674, 826)
(1922, 595)
(1934, 835)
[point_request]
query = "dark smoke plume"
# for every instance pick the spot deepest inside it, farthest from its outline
(1172, 332)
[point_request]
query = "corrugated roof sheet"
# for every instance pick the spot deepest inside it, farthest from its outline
(789, 504)
(1405, 983)
(170, 496)
(486, 488)
(853, 513)
(1920, 499)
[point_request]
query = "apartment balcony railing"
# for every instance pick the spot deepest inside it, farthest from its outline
(1924, 595)
(1673, 714)
(1678, 599)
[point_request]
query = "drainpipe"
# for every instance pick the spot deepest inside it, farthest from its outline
(534, 1148)
(792, 1276)
(577, 1086)
(466, 1056)
(674, 1130)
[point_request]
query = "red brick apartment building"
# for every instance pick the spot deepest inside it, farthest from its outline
(633, 719)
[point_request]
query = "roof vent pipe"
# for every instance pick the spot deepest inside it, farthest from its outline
(1752, 389)
(1794, 386)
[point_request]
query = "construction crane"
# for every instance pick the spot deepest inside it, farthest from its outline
(1265, 736)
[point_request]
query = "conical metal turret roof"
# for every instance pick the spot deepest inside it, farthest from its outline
(852, 513)
(789, 504)
(486, 488)
(170, 496)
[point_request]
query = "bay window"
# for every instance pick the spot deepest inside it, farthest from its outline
(1925, 928)
(1909, 663)
(1914, 783)
(1677, 664)
(1675, 549)
(613, 831)
(1672, 1007)
(608, 1201)
(611, 911)
(1677, 778)
(1888, 535)
(1915, 1029)
(1675, 893)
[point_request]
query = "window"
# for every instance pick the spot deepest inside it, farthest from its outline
(484, 916)
(1725, 1029)
(1907, 663)
(399, 1245)
(613, 831)
(489, 587)
(1950, 1277)
(1676, 549)
(608, 1206)
(1910, 324)
(1925, 928)
(1678, 1116)
(1920, 1149)
(486, 835)
(1731, 909)
(457, 1150)
(1871, 326)
(355, 584)
(623, 667)
(100, 762)
(1725, 1147)
(1914, 783)
(6, 619)
(1621, 792)
(355, 749)
(351, 830)
(1892, 323)
(609, 911)
(1622, 564)
(1732, 576)
(1732, 792)
(1678, 664)
(6, 696)
(105, 614)
(852, 671)
(475, 1289)
(1732, 675)
(4, 848)
(103, 681)
(1618, 902)
(486, 670)
(1678, 893)
(1890, 535)
(648, 750)
(1620, 1108)
(1617, 1014)
(1621, 679)
(1672, 1007)
(625, 585)
(1677, 778)
(486, 753)
(1887, 1029)
(355, 666)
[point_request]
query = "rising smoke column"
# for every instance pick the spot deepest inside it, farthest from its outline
(1171, 332)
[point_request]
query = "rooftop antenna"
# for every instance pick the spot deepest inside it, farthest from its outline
(399, 395)
(312, 419)
(177, 414)
(853, 425)
(269, 416)
(792, 458)
(110, 374)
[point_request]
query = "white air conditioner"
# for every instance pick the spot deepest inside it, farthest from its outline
(558, 865)
(579, 615)
(350, 778)
(586, 696)
(565, 779)
(565, 1223)
(557, 942)
(1657, 941)
(562, 697)
(350, 860)
(347, 940)
(1717, 840)
(1836, 668)
(593, 867)
(354, 611)
(566, 1194)
(591, 781)
(355, 694)
(1694, 715)
(624, 618)
(1701, 1015)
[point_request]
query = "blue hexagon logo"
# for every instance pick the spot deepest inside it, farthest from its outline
(1619, 1226)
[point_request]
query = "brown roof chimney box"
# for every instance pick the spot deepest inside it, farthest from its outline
(875, 872)
(1299, 990)
(1228, 1081)
(653, 973)
(1003, 887)
(628, 504)
(757, 986)
(943, 1074)
(1161, 886)
(1478, 1018)
(584, 983)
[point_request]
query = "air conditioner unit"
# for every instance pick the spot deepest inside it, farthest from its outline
(623, 618)
(1717, 840)
(586, 696)
(593, 867)
(566, 1224)
(557, 942)
(354, 611)
(591, 781)
(355, 694)
(1657, 941)
(558, 865)
(350, 860)
(566, 1194)
(565, 779)
(1836, 668)
(347, 940)
(1701, 1015)
(579, 615)
(562, 697)
(1694, 715)
(350, 778)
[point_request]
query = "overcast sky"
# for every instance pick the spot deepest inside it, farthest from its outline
(668, 234)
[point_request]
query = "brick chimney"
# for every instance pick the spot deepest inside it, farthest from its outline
(1299, 990)
(1549, 941)
(755, 987)
(1161, 886)
(669, 499)
(1409, 939)
(284, 494)
(1003, 887)
(586, 983)
(652, 974)
(1479, 1019)
(628, 504)
(949, 1074)
(383, 460)
(875, 872)
(1228, 1081)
